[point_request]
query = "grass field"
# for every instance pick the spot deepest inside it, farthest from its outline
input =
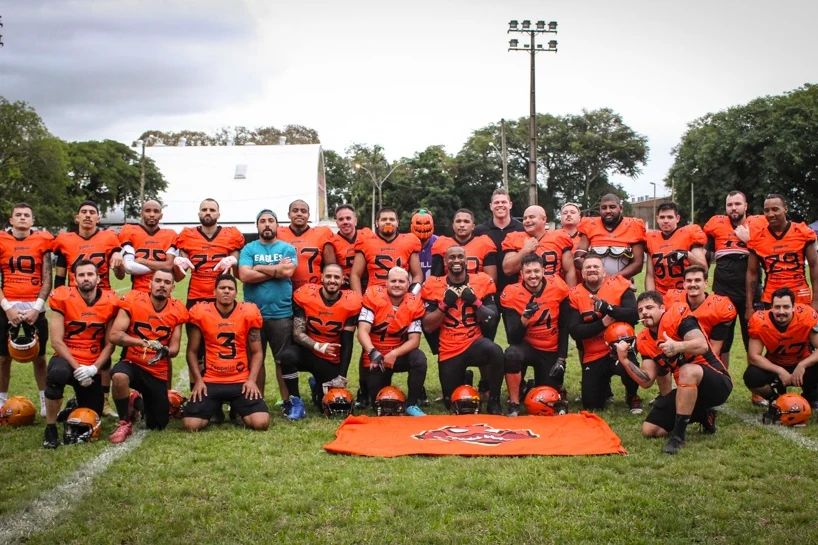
(746, 484)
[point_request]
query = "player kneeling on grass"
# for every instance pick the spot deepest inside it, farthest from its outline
(227, 329)
(672, 341)
(149, 328)
(389, 331)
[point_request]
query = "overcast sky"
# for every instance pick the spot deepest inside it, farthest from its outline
(403, 75)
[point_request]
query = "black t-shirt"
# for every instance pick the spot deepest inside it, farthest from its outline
(496, 234)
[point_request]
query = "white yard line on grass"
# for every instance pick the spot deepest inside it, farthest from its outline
(783, 431)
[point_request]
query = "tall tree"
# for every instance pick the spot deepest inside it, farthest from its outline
(340, 176)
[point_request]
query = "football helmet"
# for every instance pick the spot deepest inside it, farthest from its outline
(619, 331)
(17, 411)
(544, 401)
(82, 426)
(465, 400)
(337, 402)
(422, 224)
(390, 401)
(24, 345)
(176, 401)
(790, 410)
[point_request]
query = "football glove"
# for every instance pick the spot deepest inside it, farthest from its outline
(468, 296)
(530, 309)
(450, 298)
(376, 358)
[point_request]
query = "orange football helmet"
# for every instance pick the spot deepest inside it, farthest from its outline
(790, 410)
(337, 402)
(176, 402)
(465, 400)
(619, 331)
(422, 225)
(17, 411)
(544, 401)
(24, 345)
(82, 426)
(390, 401)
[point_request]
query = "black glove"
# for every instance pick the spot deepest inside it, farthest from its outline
(450, 298)
(557, 370)
(468, 296)
(376, 358)
(485, 314)
(530, 309)
(603, 307)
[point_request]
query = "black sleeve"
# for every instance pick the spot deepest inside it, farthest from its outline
(582, 330)
(515, 331)
(687, 325)
(347, 338)
(562, 326)
(711, 244)
(298, 312)
(489, 310)
(437, 266)
(721, 331)
(61, 261)
(625, 311)
(490, 259)
(59, 281)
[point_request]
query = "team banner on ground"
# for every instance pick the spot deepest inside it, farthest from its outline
(476, 435)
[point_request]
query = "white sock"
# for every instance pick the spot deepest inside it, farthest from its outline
(4, 396)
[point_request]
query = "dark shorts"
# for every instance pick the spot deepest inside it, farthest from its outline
(714, 390)
(278, 334)
(60, 374)
(42, 333)
(756, 377)
(154, 393)
(219, 394)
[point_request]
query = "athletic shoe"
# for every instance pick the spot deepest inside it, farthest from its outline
(635, 404)
(122, 432)
(286, 406)
(673, 445)
(423, 400)
(709, 422)
(361, 399)
(494, 407)
(414, 410)
(759, 401)
(108, 410)
(51, 437)
(297, 409)
(513, 409)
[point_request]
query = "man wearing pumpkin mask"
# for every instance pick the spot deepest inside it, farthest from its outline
(423, 227)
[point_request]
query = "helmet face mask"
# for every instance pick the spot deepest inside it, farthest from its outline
(390, 401)
(82, 426)
(465, 400)
(789, 410)
(23, 343)
(544, 401)
(176, 404)
(337, 402)
(619, 331)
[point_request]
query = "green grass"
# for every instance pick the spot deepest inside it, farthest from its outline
(228, 485)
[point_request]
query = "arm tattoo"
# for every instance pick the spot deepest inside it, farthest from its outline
(300, 332)
(254, 335)
(636, 370)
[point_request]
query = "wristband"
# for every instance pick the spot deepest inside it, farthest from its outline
(5, 304)
(39, 304)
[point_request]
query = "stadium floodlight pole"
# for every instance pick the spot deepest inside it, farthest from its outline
(377, 184)
(654, 204)
(141, 171)
(532, 48)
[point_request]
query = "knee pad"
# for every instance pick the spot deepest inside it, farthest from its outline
(54, 391)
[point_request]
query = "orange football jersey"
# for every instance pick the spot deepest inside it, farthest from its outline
(205, 253)
(153, 246)
(668, 270)
(581, 299)
(541, 332)
(615, 246)
(345, 249)
(85, 324)
(325, 322)
(310, 248)
(725, 241)
(21, 264)
(715, 310)
(225, 339)
(480, 251)
(575, 238)
(151, 324)
(550, 246)
(381, 255)
(96, 248)
(783, 257)
(390, 325)
(460, 327)
(785, 348)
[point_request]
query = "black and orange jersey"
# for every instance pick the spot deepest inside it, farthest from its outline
(480, 251)
(550, 246)
(783, 257)
(345, 249)
(381, 255)
(70, 247)
(85, 324)
(391, 325)
(21, 264)
(676, 322)
(614, 246)
(575, 238)
(205, 253)
(151, 324)
(730, 254)
(792, 344)
(541, 332)
(309, 246)
(225, 339)
(582, 300)
(668, 269)
(153, 246)
(460, 327)
(714, 311)
(326, 320)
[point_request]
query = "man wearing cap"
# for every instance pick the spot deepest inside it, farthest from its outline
(266, 266)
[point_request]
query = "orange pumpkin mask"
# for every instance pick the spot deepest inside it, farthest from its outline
(423, 225)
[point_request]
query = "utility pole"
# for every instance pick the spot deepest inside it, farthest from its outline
(504, 152)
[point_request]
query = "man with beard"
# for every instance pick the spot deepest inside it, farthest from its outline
(323, 330)
(312, 244)
(149, 328)
(789, 334)
(672, 341)
(671, 249)
(228, 329)
(570, 216)
(458, 304)
(146, 247)
(596, 303)
(82, 316)
(481, 254)
(389, 328)
(343, 242)
(553, 247)
(617, 240)
(536, 311)
(266, 266)
(781, 247)
(25, 267)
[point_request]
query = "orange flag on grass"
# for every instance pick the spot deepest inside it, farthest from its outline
(476, 435)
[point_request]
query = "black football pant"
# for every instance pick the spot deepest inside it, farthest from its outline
(482, 353)
(413, 363)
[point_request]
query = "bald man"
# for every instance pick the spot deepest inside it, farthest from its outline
(147, 248)
(553, 247)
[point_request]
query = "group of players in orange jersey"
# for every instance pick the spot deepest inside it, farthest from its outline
(311, 293)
